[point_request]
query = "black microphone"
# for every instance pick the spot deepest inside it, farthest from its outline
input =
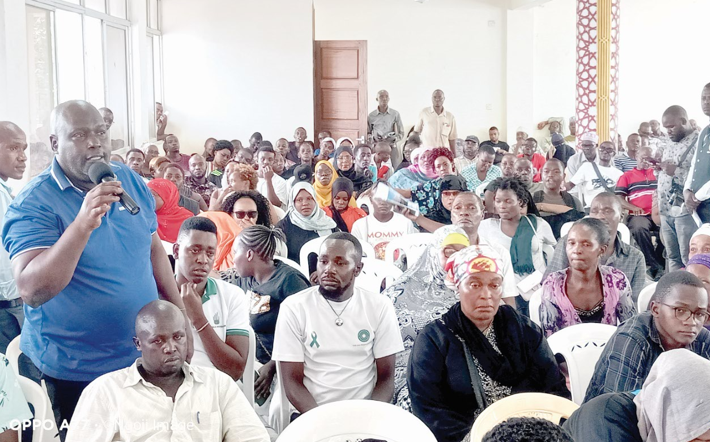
(101, 173)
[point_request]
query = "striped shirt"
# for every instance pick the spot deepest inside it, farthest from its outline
(624, 163)
(638, 186)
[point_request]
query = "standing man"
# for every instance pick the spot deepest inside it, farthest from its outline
(571, 139)
(697, 194)
(384, 122)
(84, 266)
(13, 161)
(161, 121)
(437, 126)
(107, 115)
(676, 155)
(172, 152)
(336, 342)
(627, 161)
(197, 181)
(501, 147)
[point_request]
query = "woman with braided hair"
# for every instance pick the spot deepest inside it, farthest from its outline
(268, 283)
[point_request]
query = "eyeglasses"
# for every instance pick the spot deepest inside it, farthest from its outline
(683, 313)
(241, 214)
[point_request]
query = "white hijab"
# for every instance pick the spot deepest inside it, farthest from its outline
(674, 402)
(317, 221)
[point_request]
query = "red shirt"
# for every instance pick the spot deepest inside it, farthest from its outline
(537, 161)
(638, 186)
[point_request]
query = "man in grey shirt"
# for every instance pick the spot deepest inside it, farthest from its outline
(384, 122)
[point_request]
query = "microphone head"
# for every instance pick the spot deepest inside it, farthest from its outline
(98, 171)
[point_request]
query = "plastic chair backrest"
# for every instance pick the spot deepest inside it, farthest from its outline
(291, 263)
(374, 271)
(622, 229)
(645, 296)
(13, 353)
(534, 306)
(581, 345)
(357, 420)
(35, 395)
(248, 375)
(412, 246)
(280, 409)
(539, 405)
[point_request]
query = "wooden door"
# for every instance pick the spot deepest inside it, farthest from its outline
(341, 88)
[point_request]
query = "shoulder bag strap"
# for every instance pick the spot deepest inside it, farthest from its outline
(601, 178)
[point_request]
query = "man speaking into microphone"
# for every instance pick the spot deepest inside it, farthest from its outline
(84, 266)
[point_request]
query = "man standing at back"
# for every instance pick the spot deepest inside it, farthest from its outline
(336, 342)
(84, 266)
(172, 152)
(436, 125)
(677, 224)
(384, 122)
(13, 161)
(699, 175)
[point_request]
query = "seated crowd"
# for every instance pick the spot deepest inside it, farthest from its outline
(277, 241)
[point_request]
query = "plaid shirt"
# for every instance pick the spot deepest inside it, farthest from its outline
(628, 356)
(625, 258)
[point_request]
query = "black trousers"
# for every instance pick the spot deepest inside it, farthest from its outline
(704, 211)
(64, 396)
(641, 227)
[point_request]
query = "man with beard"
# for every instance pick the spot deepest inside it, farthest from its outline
(335, 341)
(197, 181)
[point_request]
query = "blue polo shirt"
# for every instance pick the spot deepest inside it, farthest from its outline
(86, 330)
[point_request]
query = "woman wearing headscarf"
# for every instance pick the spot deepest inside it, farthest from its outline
(478, 352)
(585, 292)
(342, 212)
(413, 175)
(673, 405)
(344, 141)
(170, 214)
(422, 295)
(345, 166)
(304, 220)
(227, 230)
(323, 185)
(451, 186)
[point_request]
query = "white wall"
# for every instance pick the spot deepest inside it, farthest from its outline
(414, 48)
(236, 67)
(663, 59)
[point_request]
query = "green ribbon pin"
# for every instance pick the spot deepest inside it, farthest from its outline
(314, 341)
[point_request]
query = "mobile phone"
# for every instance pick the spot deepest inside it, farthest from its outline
(653, 161)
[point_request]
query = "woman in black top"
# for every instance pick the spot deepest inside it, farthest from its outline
(267, 283)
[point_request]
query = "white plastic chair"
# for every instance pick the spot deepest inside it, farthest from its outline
(581, 345)
(622, 229)
(534, 306)
(248, 375)
(644, 301)
(539, 405)
(280, 411)
(313, 246)
(357, 420)
(374, 272)
(413, 247)
(291, 263)
(13, 353)
(35, 395)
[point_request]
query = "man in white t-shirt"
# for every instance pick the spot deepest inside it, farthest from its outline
(589, 180)
(335, 342)
(272, 186)
(381, 226)
(218, 311)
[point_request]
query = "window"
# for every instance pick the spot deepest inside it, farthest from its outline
(77, 52)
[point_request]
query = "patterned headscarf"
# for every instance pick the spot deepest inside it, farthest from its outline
(473, 259)
(702, 259)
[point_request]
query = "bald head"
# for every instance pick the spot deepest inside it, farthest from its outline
(65, 113)
(675, 120)
(437, 99)
(155, 314)
(107, 115)
(13, 144)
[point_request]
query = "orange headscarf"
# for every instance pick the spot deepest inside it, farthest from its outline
(227, 231)
(170, 215)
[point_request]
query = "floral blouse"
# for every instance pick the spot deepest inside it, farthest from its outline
(426, 195)
(557, 311)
